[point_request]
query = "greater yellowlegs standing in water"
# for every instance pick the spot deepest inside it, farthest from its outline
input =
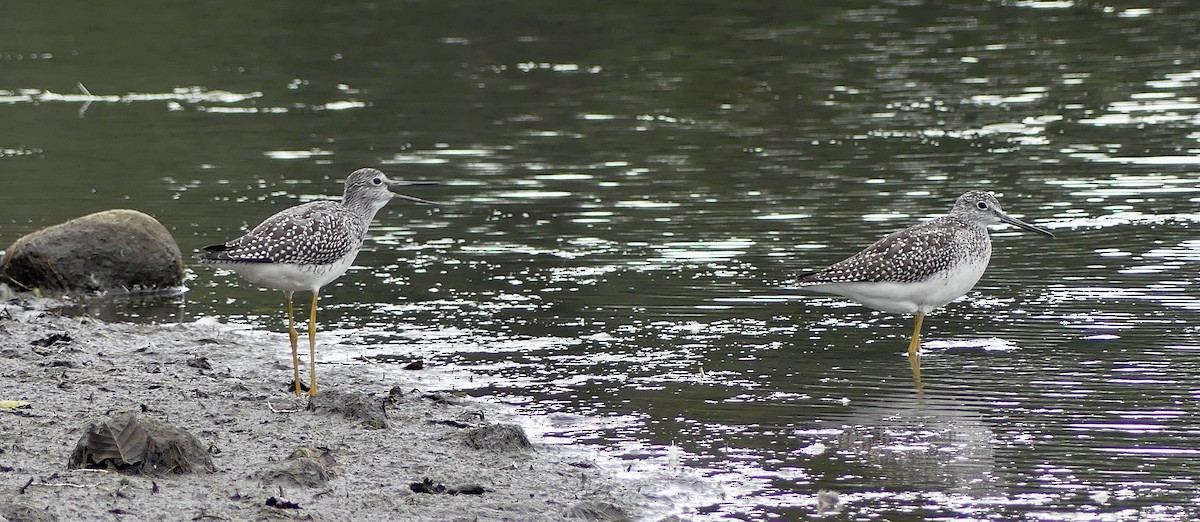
(306, 247)
(921, 268)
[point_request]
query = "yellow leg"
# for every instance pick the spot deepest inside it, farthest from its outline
(915, 345)
(312, 346)
(914, 349)
(293, 336)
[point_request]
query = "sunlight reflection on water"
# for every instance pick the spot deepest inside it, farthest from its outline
(619, 230)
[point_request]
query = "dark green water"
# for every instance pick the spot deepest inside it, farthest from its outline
(627, 186)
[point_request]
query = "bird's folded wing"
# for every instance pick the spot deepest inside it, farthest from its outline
(306, 234)
(906, 256)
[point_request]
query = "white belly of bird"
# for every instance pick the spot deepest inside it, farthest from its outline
(290, 277)
(907, 298)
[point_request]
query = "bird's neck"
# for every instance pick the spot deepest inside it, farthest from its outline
(364, 210)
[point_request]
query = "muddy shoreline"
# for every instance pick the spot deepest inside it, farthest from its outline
(226, 386)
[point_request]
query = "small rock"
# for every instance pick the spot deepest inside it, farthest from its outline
(199, 362)
(452, 423)
(597, 512)
(129, 443)
(355, 406)
(468, 489)
(15, 511)
(320, 454)
(441, 398)
(428, 486)
(306, 467)
(396, 393)
(281, 503)
(274, 514)
(497, 437)
(52, 339)
(115, 250)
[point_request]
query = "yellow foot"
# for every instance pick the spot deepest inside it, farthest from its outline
(300, 388)
(914, 349)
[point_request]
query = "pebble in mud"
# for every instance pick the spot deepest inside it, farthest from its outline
(498, 438)
(597, 512)
(427, 485)
(306, 467)
(368, 410)
(24, 513)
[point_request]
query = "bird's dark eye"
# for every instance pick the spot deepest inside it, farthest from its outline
(379, 181)
(981, 205)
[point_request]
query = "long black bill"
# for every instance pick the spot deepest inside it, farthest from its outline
(402, 183)
(1018, 223)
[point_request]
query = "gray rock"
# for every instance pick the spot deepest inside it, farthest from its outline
(306, 467)
(366, 409)
(20, 512)
(115, 250)
(597, 512)
(497, 437)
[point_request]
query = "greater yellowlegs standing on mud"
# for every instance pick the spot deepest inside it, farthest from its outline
(921, 268)
(306, 247)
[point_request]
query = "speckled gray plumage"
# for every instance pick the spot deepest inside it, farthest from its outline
(920, 251)
(910, 255)
(316, 233)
